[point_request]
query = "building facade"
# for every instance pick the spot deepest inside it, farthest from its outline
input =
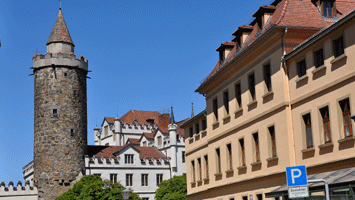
(280, 95)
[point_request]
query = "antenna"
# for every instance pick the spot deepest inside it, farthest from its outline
(117, 112)
(60, 4)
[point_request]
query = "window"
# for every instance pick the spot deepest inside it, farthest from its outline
(55, 113)
(226, 101)
(229, 156)
(128, 158)
(218, 159)
(129, 179)
(267, 77)
(65, 74)
(259, 196)
(145, 198)
(177, 138)
(159, 140)
(318, 58)
(145, 143)
(301, 68)
(238, 94)
(338, 47)
(328, 9)
(215, 108)
(242, 152)
(197, 128)
(252, 86)
(204, 124)
(97, 175)
(272, 141)
(206, 166)
(74, 92)
(345, 109)
(256, 146)
(199, 169)
(245, 198)
(308, 127)
(191, 131)
(72, 132)
(113, 178)
(106, 130)
(144, 179)
(159, 178)
(183, 157)
(326, 124)
(193, 171)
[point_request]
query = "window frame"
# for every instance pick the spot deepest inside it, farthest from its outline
(199, 168)
(272, 136)
(144, 180)
(335, 46)
(193, 171)
(206, 166)
(229, 156)
(159, 178)
(113, 178)
(129, 159)
(242, 151)
(346, 114)
(215, 108)
(326, 124)
(316, 53)
(238, 93)
(308, 134)
(267, 77)
(226, 101)
(218, 161)
(183, 157)
(256, 146)
(251, 83)
(129, 179)
(301, 70)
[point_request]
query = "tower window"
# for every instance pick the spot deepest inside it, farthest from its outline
(72, 132)
(65, 74)
(55, 113)
(74, 92)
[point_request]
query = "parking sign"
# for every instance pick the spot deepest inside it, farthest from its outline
(296, 176)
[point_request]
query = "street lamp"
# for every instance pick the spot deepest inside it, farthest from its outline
(125, 193)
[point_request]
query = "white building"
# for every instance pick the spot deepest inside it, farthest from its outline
(139, 150)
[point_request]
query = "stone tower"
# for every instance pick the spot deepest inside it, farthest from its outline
(60, 121)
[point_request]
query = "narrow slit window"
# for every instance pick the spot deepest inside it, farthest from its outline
(193, 171)
(199, 169)
(197, 128)
(229, 150)
(206, 166)
(226, 101)
(215, 109)
(267, 77)
(252, 86)
(326, 124)
(256, 147)
(218, 159)
(242, 152)
(308, 127)
(238, 94)
(272, 141)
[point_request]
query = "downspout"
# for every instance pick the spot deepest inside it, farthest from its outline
(289, 97)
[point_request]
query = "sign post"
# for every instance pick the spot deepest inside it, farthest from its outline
(297, 182)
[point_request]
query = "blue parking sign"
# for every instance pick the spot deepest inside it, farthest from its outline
(296, 175)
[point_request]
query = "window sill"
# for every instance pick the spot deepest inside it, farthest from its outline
(229, 171)
(203, 132)
(216, 123)
(329, 144)
(319, 69)
(191, 139)
(206, 179)
(256, 163)
(226, 117)
(218, 174)
(192, 183)
(351, 138)
(197, 135)
(341, 57)
(311, 149)
(199, 181)
(242, 167)
(272, 159)
(304, 77)
(238, 111)
(252, 103)
(268, 94)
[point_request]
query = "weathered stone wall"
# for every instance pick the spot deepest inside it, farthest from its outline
(60, 128)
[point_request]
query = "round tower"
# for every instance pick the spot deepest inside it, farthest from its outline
(60, 121)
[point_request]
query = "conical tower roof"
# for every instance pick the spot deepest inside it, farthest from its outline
(60, 32)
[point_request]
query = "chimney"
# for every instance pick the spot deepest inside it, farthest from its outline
(224, 50)
(242, 34)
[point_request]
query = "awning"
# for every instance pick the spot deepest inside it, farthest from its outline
(335, 179)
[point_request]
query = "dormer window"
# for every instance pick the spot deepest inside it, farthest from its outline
(263, 15)
(224, 50)
(327, 9)
(242, 34)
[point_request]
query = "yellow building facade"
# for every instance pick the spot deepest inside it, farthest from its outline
(280, 95)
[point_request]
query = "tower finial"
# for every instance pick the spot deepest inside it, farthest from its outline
(192, 110)
(172, 120)
(60, 4)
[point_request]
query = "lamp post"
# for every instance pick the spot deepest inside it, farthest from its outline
(125, 194)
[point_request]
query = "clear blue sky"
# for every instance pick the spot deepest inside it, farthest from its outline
(144, 55)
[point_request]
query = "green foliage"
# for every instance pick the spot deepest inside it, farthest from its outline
(93, 188)
(172, 189)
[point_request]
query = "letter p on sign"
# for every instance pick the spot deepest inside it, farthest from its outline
(296, 176)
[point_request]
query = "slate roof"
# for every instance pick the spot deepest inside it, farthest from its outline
(288, 13)
(144, 152)
(60, 32)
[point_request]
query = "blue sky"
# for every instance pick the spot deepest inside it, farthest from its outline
(144, 55)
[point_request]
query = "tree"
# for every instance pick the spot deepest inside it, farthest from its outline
(172, 189)
(93, 188)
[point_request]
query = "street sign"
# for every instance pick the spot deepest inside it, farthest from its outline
(298, 192)
(296, 176)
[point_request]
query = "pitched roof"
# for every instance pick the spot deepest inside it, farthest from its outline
(148, 135)
(60, 32)
(133, 141)
(109, 120)
(144, 152)
(140, 116)
(288, 13)
(181, 131)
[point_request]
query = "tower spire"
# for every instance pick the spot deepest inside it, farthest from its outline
(192, 110)
(60, 4)
(60, 32)
(172, 120)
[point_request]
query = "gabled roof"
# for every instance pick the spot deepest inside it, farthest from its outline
(109, 120)
(60, 32)
(133, 141)
(180, 130)
(149, 136)
(299, 14)
(144, 152)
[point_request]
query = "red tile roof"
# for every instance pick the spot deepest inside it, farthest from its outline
(141, 117)
(109, 120)
(133, 141)
(181, 131)
(60, 32)
(148, 135)
(144, 152)
(288, 13)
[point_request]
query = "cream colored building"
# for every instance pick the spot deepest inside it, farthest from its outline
(281, 95)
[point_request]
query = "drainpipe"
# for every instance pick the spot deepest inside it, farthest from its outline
(289, 97)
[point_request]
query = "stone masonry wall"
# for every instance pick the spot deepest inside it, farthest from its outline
(60, 128)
